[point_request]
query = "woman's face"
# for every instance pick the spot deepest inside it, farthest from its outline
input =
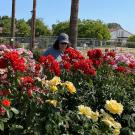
(63, 46)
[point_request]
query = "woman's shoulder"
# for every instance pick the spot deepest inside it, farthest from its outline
(50, 51)
(47, 51)
(49, 48)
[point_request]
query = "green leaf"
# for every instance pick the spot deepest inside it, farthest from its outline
(4, 119)
(14, 110)
(16, 127)
(2, 126)
(9, 114)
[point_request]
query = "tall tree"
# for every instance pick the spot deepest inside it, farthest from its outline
(41, 29)
(23, 29)
(13, 19)
(86, 29)
(73, 22)
(33, 25)
(60, 27)
(5, 23)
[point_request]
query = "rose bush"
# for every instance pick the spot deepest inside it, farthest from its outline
(93, 95)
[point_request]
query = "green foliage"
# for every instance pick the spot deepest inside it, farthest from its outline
(131, 42)
(60, 27)
(86, 29)
(131, 38)
(33, 113)
(113, 25)
(41, 28)
(5, 23)
(93, 29)
(108, 84)
(37, 53)
(23, 29)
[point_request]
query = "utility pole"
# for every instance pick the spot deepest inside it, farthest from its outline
(33, 20)
(13, 23)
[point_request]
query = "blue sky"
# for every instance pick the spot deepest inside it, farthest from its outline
(52, 11)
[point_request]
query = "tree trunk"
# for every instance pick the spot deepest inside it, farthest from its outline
(74, 23)
(13, 23)
(33, 25)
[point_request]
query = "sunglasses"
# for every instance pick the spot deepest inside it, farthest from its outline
(63, 43)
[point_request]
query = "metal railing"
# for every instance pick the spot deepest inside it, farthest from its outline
(82, 43)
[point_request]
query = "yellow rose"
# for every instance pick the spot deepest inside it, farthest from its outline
(84, 110)
(55, 81)
(108, 120)
(117, 125)
(116, 131)
(53, 102)
(114, 107)
(45, 83)
(94, 116)
(53, 88)
(71, 88)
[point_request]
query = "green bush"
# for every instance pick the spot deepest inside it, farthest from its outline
(130, 44)
(37, 53)
(40, 106)
(4, 41)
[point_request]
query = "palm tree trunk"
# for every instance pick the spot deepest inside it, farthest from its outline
(74, 23)
(13, 22)
(33, 25)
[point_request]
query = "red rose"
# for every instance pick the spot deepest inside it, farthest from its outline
(6, 102)
(2, 111)
(29, 92)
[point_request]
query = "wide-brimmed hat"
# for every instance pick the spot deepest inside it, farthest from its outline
(63, 38)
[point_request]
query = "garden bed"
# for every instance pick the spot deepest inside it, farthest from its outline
(93, 95)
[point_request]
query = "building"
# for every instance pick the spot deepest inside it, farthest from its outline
(119, 35)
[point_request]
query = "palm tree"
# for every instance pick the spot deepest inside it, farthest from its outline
(73, 22)
(33, 25)
(13, 21)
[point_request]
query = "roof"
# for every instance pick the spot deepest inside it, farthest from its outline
(112, 30)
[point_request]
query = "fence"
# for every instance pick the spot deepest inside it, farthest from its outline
(82, 43)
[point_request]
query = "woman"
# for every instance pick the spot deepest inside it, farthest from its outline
(60, 45)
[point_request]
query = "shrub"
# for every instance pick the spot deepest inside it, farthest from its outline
(91, 96)
(130, 44)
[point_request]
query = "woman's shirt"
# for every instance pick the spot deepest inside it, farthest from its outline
(55, 53)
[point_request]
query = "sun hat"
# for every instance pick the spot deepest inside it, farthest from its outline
(63, 38)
